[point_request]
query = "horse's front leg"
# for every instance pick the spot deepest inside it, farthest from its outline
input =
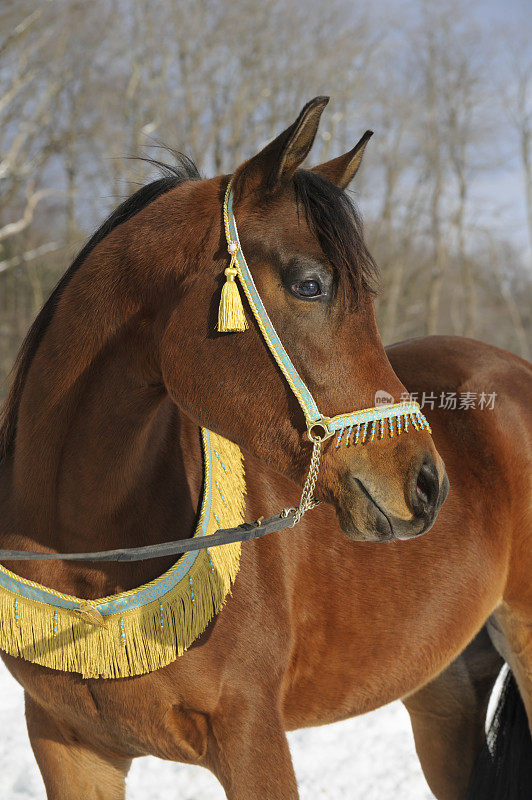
(448, 718)
(249, 751)
(70, 769)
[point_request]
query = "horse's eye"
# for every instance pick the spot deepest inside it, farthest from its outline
(307, 289)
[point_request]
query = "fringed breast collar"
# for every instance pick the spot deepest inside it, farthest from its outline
(145, 628)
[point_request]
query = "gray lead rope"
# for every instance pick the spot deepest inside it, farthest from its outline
(242, 533)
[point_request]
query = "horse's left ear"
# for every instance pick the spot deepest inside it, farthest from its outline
(343, 169)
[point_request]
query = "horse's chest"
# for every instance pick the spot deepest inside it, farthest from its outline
(353, 654)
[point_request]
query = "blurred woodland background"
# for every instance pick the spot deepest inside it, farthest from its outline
(446, 187)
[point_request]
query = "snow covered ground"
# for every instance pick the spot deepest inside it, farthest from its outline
(368, 758)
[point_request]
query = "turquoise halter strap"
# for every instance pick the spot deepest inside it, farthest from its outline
(398, 415)
(304, 397)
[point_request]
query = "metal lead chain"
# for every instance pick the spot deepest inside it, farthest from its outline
(307, 496)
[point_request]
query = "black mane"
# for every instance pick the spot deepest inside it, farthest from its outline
(335, 222)
(183, 170)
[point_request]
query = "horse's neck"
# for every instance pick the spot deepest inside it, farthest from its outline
(108, 463)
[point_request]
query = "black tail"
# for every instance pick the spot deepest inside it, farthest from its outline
(503, 770)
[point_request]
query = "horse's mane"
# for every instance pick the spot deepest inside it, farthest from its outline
(329, 213)
(173, 175)
(335, 222)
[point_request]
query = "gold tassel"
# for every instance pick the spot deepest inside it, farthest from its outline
(231, 318)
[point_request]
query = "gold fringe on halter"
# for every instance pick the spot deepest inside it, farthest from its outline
(137, 640)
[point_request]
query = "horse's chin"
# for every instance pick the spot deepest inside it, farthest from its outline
(360, 530)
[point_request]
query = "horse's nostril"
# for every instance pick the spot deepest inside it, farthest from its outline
(426, 488)
(422, 487)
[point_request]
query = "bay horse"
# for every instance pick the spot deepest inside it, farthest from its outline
(333, 618)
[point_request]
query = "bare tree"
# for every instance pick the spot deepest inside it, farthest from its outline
(83, 86)
(517, 98)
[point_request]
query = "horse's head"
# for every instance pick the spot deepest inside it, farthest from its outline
(303, 243)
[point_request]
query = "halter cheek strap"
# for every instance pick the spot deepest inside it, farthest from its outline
(269, 334)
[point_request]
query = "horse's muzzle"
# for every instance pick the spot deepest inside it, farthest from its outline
(366, 518)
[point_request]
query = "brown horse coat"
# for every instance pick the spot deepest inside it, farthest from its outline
(320, 626)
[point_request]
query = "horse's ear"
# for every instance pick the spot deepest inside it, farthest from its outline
(279, 160)
(343, 169)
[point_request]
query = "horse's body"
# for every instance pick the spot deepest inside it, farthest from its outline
(318, 627)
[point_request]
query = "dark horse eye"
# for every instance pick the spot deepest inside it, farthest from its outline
(306, 289)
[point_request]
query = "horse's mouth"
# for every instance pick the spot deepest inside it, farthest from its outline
(362, 519)
(383, 524)
(366, 520)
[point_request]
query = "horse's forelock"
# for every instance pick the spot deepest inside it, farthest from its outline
(334, 220)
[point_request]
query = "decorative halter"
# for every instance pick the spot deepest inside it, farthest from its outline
(358, 427)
